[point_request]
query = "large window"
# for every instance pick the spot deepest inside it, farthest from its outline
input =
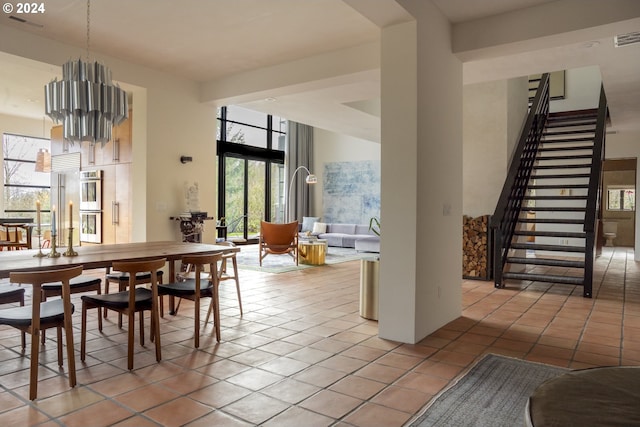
(250, 170)
(23, 186)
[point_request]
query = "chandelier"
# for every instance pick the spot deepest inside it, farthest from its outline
(86, 101)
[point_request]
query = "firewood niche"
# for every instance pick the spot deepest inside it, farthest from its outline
(476, 247)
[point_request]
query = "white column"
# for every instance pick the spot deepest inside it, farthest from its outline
(421, 249)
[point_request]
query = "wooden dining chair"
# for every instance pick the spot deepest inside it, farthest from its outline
(9, 295)
(197, 288)
(40, 316)
(121, 278)
(128, 303)
(16, 236)
(76, 285)
(223, 273)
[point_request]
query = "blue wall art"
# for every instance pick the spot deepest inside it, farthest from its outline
(351, 192)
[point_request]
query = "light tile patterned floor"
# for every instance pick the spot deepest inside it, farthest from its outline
(302, 356)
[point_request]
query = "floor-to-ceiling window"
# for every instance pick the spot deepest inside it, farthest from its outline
(250, 170)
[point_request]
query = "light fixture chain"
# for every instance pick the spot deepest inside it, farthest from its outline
(86, 101)
(88, 27)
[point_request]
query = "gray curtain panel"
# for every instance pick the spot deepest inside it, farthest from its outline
(299, 153)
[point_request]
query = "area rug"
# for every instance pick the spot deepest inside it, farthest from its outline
(492, 393)
(248, 259)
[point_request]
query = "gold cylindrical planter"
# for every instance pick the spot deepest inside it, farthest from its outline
(312, 253)
(369, 288)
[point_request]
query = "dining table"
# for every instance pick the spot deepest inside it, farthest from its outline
(102, 256)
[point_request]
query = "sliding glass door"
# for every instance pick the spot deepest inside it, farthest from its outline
(250, 171)
(234, 197)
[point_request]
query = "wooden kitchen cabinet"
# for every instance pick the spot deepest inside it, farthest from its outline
(59, 145)
(116, 203)
(114, 159)
(118, 150)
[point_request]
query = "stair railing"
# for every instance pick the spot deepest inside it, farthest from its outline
(509, 204)
(592, 212)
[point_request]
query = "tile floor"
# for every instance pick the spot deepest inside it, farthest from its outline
(302, 356)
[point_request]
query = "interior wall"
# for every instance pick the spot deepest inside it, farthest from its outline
(329, 147)
(421, 257)
(493, 116)
(626, 145)
(398, 276)
(439, 293)
(169, 121)
(582, 90)
(625, 220)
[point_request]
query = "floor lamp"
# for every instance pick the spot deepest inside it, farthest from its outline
(310, 179)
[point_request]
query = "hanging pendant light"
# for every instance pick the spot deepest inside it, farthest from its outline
(43, 161)
(86, 101)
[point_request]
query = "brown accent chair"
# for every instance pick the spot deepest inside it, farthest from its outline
(40, 316)
(128, 303)
(278, 239)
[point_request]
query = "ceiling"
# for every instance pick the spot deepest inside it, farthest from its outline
(208, 40)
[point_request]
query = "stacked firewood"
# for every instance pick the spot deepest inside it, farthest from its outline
(475, 253)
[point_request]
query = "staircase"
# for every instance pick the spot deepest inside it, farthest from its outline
(549, 238)
(544, 225)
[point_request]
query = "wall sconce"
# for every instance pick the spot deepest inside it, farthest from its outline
(186, 159)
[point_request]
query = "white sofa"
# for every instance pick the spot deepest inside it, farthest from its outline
(356, 236)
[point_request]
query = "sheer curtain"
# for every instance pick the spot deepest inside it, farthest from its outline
(299, 153)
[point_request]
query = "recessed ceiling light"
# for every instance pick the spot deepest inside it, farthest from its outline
(270, 99)
(590, 44)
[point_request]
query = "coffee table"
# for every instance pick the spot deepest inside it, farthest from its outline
(312, 252)
(605, 396)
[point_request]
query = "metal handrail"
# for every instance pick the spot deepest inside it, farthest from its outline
(509, 204)
(592, 212)
(595, 178)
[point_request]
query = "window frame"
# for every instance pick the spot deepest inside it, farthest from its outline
(621, 189)
(246, 152)
(15, 213)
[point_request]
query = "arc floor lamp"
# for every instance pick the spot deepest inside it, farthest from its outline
(310, 179)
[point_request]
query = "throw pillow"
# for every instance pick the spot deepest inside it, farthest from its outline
(319, 228)
(308, 221)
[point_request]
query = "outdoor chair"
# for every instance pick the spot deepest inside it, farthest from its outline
(278, 239)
